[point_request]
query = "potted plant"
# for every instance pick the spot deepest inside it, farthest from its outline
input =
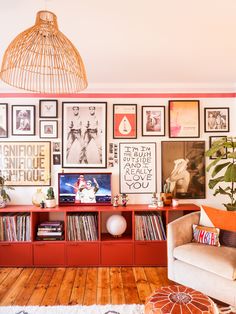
(4, 196)
(50, 200)
(166, 195)
(223, 169)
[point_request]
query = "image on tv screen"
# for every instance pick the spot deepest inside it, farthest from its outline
(85, 188)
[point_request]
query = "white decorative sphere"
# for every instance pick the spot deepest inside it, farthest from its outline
(116, 225)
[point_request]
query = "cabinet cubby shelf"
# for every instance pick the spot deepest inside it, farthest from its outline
(105, 251)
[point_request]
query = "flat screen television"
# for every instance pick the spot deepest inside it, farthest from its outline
(84, 188)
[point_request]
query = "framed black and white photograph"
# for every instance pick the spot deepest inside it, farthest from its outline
(3, 120)
(48, 128)
(56, 147)
(84, 134)
(183, 169)
(153, 120)
(23, 120)
(222, 152)
(216, 119)
(48, 108)
(137, 168)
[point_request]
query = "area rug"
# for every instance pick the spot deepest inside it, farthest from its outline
(93, 309)
(74, 309)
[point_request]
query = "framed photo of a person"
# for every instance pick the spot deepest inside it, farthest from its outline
(48, 108)
(84, 132)
(23, 120)
(183, 168)
(153, 120)
(222, 152)
(48, 128)
(3, 120)
(56, 159)
(216, 119)
(137, 168)
(124, 121)
(184, 118)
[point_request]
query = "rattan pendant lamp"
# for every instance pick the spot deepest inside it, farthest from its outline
(42, 59)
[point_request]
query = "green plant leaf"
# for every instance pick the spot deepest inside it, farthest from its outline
(218, 168)
(230, 174)
(232, 155)
(223, 191)
(212, 183)
(213, 163)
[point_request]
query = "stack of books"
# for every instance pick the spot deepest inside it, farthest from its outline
(149, 226)
(50, 231)
(82, 227)
(15, 227)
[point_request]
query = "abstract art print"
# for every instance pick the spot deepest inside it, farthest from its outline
(84, 134)
(183, 168)
(124, 121)
(184, 118)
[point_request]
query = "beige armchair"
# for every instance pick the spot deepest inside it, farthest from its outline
(209, 269)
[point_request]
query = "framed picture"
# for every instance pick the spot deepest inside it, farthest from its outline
(222, 151)
(183, 168)
(124, 121)
(23, 120)
(56, 159)
(184, 118)
(153, 120)
(48, 128)
(84, 132)
(3, 120)
(48, 108)
(137, 168)
(216, 119)
(56, 147)
(26, 163)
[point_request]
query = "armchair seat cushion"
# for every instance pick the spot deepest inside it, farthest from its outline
(218, 260)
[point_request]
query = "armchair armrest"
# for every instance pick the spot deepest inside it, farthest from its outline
(179, 232)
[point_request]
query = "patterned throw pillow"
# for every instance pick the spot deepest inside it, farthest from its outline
(222, 219)
(206, 235)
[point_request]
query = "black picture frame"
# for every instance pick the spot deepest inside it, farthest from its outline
(219, 152)
(84, 134)
(23, 120)
(153, 121)
(137, 175)
(184, 168)
(125, 115)
(184, 118)
(3, 120)
(216, 119)
(48, 108)
(48, 129)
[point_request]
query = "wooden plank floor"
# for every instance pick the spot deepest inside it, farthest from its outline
(67, 286)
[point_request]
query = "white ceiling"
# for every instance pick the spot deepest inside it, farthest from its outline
(141, 45)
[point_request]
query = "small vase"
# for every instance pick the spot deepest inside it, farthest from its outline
(50, 203)
(38, 197)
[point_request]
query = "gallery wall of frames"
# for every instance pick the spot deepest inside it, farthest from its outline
(140, 141)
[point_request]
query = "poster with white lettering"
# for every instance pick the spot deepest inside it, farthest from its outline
(25, 163)
(137, 168)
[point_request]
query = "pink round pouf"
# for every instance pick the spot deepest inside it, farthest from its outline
(179, 300)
